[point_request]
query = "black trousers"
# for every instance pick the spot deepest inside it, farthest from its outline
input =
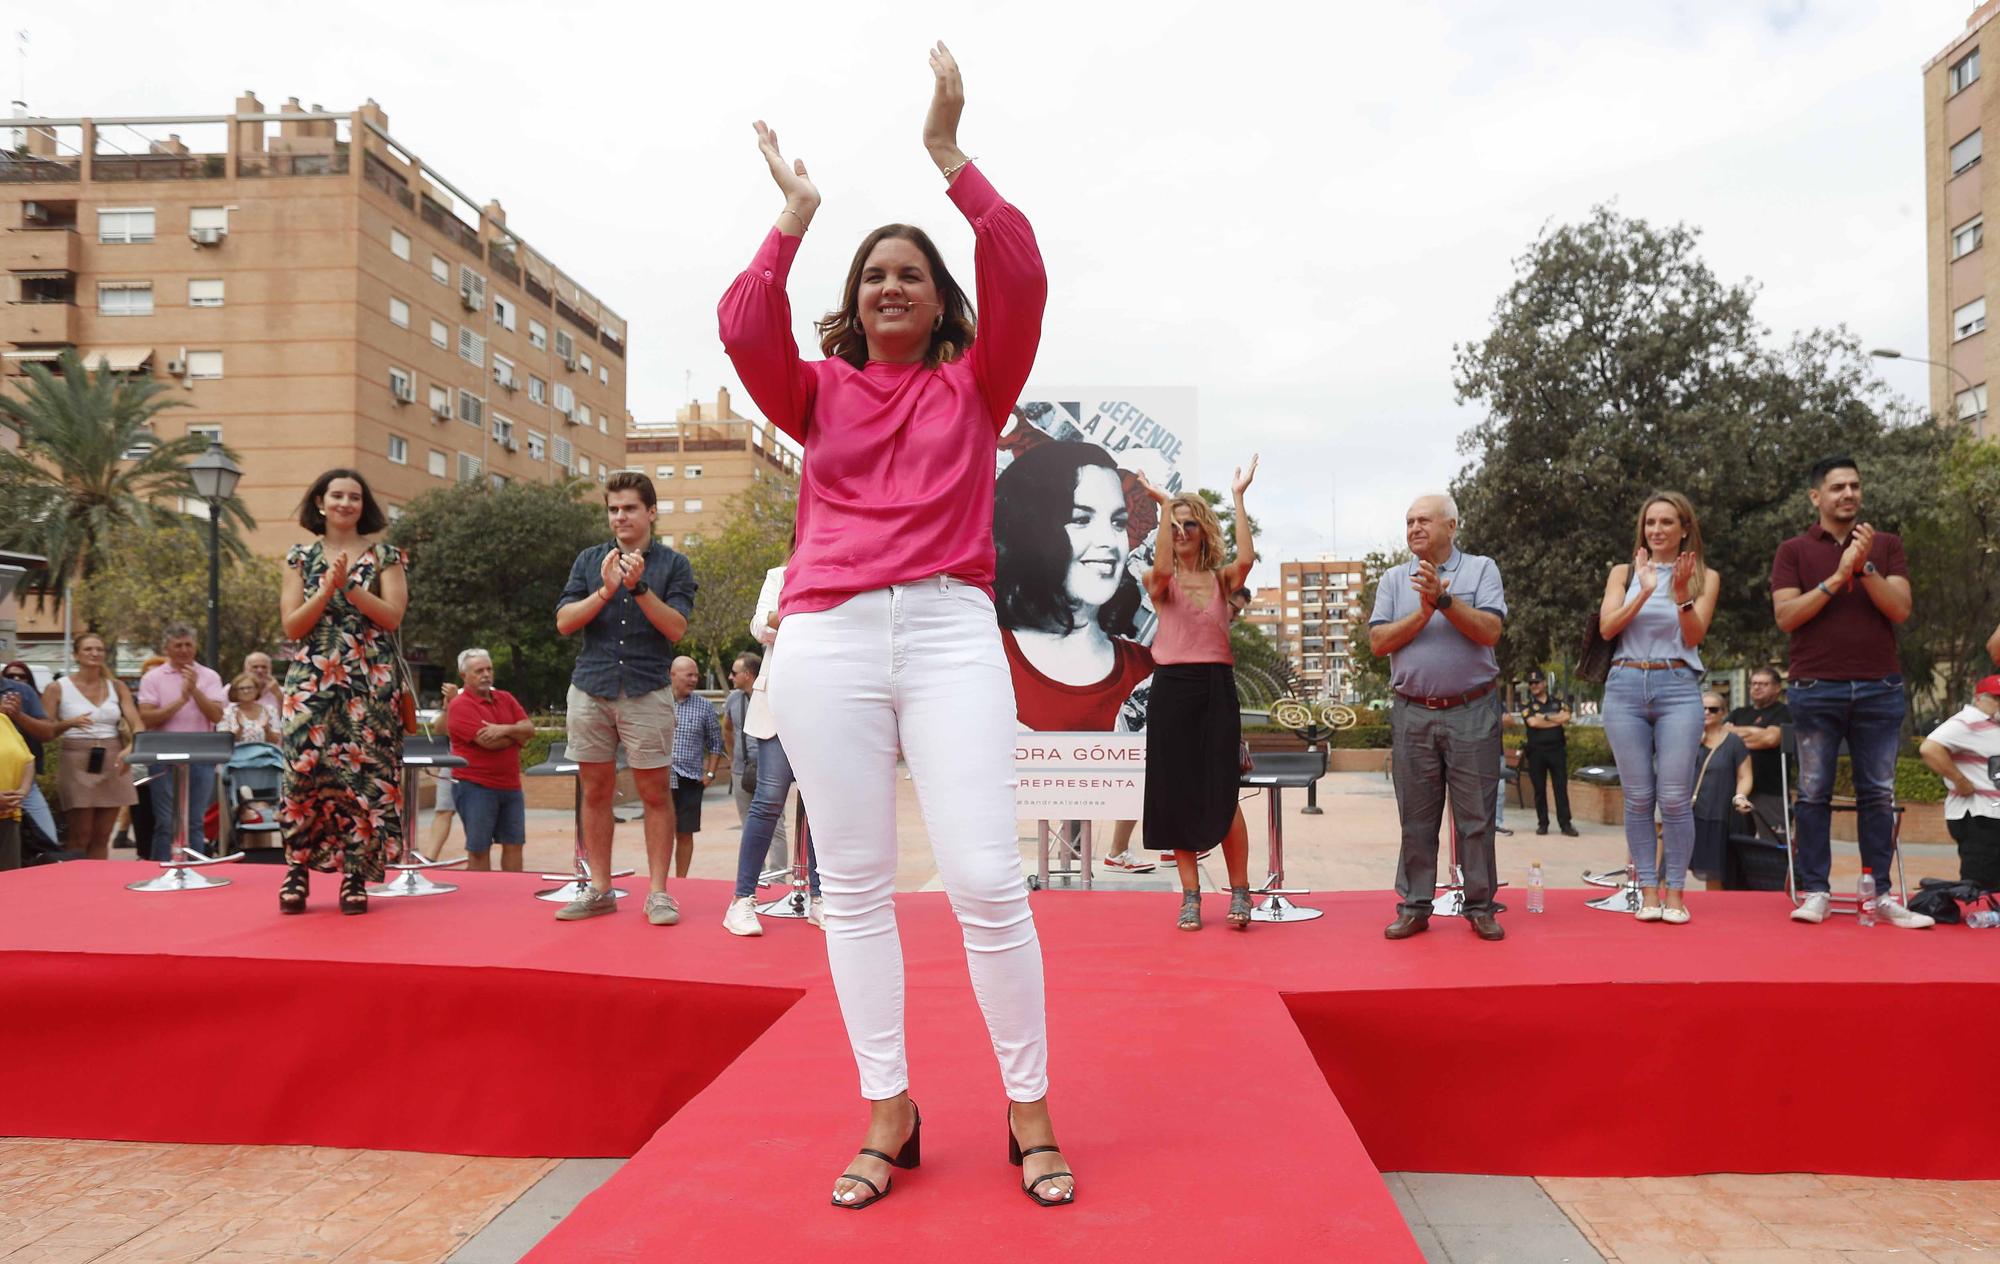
(1978, 839)
(1544, 766)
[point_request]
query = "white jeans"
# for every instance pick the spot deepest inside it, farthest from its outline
(921, 664)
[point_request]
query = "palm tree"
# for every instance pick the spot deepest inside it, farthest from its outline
(89, 463)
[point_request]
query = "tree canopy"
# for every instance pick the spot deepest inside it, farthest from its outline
(148, 579)
(730, 565)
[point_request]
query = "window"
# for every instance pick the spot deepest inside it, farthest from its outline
(692, 506)
(503, 429)
(441, 400)
(565, 400)
(471, 347)
(209, 217)
(692, 471)
(583, 414)
(1968, 320)
(496, 481)
(565, 346)
(667, 540)
(125, 227)
(564, 454)
(401, 385)
(394, 512)
(1965, 72)
(538, 446)
(503, 312)
(690, 540)
(471, 408)
(204, 365)
(538, 390)
(503, 371)
(469, 468)
(666, 506)
(603, 420)
(1972, 403)
(538, 335)
(440, 270)
(399, 244)
(604, 374)
(583, 361)
(1963, 155)
(212, 433)
(205, 293)
(1968, 237)
(124, 298)
(663, 471)
(399, 450)
(440, 464)
(472, 288)
(399, 313)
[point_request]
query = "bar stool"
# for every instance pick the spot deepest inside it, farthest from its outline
(419, 752)
(177, 753)
(559, 764)
(1272, 771)
(796, 902)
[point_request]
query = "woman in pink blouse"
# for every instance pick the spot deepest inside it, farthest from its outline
(887, 634)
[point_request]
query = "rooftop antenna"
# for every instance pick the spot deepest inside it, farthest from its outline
(21, 41)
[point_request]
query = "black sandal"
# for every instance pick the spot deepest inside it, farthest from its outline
(292, 895)
(1015, 1154)
(353, 894)
(910, 1156)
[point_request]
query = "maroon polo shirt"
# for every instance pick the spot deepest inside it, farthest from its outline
(1850, 638)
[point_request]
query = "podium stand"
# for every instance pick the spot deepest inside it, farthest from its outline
(1273, 771)
(559, 764)
(419, 752)
(176, 753)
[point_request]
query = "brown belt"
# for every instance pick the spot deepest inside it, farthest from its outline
(1648, 664)
(1436, 703)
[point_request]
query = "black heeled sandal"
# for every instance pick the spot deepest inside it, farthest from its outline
(353, 894)
(292, 894)
(911, 1155)
(1015, 1154)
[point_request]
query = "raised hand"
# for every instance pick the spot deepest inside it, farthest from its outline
(1684, 577)
(947, 103)
(1241, 483)
(801, 195)
(1160, 498)
(1642, 567)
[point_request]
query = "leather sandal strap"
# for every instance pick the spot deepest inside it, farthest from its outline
(877, 1154)
(853, 1176)
(1036, 1183)
(1040, 1150)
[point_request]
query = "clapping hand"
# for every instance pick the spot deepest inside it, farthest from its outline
(1684, 577)
(1241, 483)
(612, 573)
(1642, 569)
(336, 573)
(801, 195)
(1428, 584)
(634, 567)
(1858, 547)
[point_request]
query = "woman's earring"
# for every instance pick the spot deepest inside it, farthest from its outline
(938, 323)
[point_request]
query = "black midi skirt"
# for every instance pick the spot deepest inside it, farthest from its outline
(1193, 734)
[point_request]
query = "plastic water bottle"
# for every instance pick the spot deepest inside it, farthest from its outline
(1864, 890)
(1983, 919)
(1535, 887)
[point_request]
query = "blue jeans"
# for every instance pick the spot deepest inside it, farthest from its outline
(490, 816)
(774, 782)
(201, 789)
(36, 809)
(1653, 721)
(1869, 715)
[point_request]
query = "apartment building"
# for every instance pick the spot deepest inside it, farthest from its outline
(316, 293)
(1319, 599)
(1958, 108)
(1266, 612)
(702, 460)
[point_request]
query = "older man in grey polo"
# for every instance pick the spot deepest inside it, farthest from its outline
(1438, 617)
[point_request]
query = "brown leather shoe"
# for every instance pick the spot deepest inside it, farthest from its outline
(1406, 925)
(1487, 926)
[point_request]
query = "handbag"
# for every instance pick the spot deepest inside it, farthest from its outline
(1244, 764)
(1593, 656)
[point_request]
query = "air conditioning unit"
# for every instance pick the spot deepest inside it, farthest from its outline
(177, 368)
(506, 380)
(406, 393)
(471, 301)
(569, 415)
(206, 236)
(34, 213)
(441, 411)
(513, 445)
(569, 362)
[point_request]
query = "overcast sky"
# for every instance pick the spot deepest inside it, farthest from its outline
(1296, 215)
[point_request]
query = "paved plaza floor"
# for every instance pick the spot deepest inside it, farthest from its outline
(122, 1203)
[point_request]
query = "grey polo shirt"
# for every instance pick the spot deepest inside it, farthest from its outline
(1441, 661)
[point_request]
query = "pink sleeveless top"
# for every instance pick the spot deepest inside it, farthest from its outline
(1188, 635)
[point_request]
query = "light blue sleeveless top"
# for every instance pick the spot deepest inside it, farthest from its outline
(1655, 632)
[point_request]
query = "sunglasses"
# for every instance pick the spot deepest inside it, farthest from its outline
(1185, 528)
(1713, 710)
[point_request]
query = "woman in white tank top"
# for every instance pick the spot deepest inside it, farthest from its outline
(86, 708)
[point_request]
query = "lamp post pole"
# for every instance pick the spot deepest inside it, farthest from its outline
(214, 477)
(1890, 353)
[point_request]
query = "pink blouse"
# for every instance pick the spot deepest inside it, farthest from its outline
(898, 481)
(1188, 635)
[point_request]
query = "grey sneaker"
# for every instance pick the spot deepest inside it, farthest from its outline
(661, 909)
(589, 902)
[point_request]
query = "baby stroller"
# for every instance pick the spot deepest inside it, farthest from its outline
(248, 790)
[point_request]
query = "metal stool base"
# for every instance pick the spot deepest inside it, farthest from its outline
(795, 903)
(1626, 899)
(568, 891)
(409, 882)
(178, 879)
(1276, 908)
(1605, 877)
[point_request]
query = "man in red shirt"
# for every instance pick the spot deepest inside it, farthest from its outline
(1839, 589)
(488, 728)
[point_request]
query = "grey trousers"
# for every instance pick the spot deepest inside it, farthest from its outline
(1455, 751)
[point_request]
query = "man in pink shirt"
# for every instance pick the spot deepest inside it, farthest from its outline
(180, 696)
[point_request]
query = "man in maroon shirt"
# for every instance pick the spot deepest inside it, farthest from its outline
(488, 729)
(1839, 589)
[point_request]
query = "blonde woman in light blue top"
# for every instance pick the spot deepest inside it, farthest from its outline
(1656, 612)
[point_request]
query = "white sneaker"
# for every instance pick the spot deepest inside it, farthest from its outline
(1125, 862)
(1812, 908)
(1893, 911)
(741, 917)
(816, 912)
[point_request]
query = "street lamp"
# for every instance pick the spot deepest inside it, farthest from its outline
(1889, 353)
(214, 476)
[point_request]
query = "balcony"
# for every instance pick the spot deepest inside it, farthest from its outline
(333, 162)
(19, 169)
(125, 167)
(450, 226)
(38, 323)
(42, 250)
(377, 173)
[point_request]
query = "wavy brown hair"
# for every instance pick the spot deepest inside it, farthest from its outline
(840, 332)
(1213, 557)
(1690, 533)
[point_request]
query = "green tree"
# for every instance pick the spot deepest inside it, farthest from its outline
(1368, 675)
(1954, 555)
(487, 566)
(73, 482)
(151, 578)
(730, 565)
(1618, 364)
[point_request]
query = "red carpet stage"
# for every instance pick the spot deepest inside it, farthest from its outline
(1191, 1071)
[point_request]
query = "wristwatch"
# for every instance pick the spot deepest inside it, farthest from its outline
(1444, 601)
(1687, 605)
(1868, 568)
(639, 590)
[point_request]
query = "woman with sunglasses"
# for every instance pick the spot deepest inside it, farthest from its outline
(1656, 611)
(1722, 780)
(1194, 731)
(92, 778)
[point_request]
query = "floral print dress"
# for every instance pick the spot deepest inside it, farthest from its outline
(343, 808)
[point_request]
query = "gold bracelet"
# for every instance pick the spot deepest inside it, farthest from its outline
(795, 215)
(955, 168)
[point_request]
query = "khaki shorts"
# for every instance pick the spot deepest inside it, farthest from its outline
(644, 726)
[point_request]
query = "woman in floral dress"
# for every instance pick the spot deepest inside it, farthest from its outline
(343, 600)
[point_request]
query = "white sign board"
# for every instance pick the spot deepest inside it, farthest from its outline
(1080, 776)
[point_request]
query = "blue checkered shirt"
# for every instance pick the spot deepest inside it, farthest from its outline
(697, 731)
